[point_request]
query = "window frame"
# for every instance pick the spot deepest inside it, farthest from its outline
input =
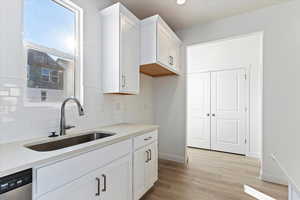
(54, 76)
(77, 57)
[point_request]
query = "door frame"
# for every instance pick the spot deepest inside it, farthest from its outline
(219, 69)
(259, 155)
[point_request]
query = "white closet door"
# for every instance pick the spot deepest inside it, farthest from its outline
(228, 109)
(199, 110)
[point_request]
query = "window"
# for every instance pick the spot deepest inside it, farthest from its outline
(52, 41)
(55, 76)
(45, 74)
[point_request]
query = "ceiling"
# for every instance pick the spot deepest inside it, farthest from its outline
(194, 11)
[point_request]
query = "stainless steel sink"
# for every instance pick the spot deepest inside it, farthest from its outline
(68, 142)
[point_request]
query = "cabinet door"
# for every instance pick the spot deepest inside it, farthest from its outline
(83, 188)
(174, 52)
(116, 180)
(130, 54)
(140, 159)
(163, 45)
(152, 166)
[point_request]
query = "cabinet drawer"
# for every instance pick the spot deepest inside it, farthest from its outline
(145, 139)
(51, 177)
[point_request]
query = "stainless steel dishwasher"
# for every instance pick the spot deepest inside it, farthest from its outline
(16, 186)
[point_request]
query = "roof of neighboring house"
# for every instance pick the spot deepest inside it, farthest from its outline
(41, 59)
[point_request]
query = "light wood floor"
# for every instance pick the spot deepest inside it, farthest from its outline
(211, 176)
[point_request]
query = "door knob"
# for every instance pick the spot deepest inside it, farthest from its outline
(213, 115)
(207, 114)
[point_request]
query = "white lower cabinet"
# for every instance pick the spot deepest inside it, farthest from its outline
(113, 172)
(151, 166)
(116, 180)
(109, 183)
(139, 170)
(145, 164)
(83, 188)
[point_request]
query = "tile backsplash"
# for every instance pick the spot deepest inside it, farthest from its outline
(19, 121)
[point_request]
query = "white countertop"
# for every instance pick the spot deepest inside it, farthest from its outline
(15, 157)
(290, 168)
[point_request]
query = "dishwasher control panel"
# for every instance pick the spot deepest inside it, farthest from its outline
(15, 181)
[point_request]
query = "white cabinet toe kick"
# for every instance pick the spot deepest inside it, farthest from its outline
(122, 171)
(294, 194)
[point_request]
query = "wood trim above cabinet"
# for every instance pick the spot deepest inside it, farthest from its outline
(156, 70)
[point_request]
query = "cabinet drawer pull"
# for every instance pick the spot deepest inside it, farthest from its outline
(104, 179)
(98, 187)
(147, 160)
(148, 138)
(150, 151)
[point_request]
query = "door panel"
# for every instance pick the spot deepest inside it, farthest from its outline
(83, 188)
(116, 181)
(130, 51)
(140, 158)
(228, 108)
(199, 110)
(174, 53)
(163, 45)
(152, 166)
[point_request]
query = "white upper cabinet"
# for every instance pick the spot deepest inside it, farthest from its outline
(160, 48)
(120, 33)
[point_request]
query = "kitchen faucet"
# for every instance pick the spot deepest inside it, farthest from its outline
(63, 126)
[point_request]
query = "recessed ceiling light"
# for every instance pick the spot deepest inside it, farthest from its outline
(181, 2)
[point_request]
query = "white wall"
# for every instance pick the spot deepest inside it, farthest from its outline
(281, 63)
(240, 52)
(18, 122)
(169, 114)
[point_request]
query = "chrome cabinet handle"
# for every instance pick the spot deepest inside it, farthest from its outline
(172, 60)
(69, 127)
(123, 81)
(148, 138)
(147, 160)
(98, 187)
(150, 151)
(104, 178)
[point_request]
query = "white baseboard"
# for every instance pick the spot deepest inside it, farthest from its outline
(254, 155)
(165, 156)
(273, 179)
